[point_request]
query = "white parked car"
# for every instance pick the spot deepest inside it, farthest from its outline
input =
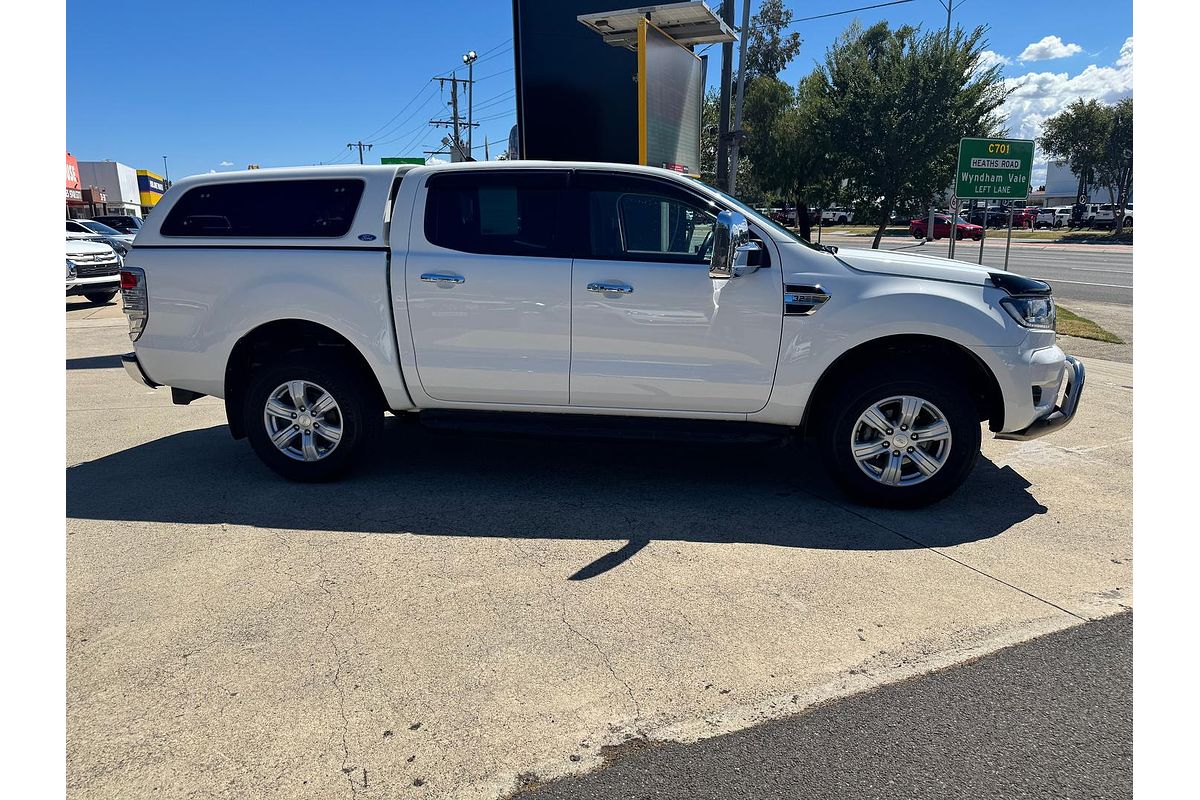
(93, 270)
(1056, 217)
(315, 299)
(98, 231)
(838, 216)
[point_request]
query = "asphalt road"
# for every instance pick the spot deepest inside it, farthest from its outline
(1049, 718)
(1094, 273)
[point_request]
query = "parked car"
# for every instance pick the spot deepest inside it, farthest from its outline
(319, 298)
(93, 270)
(1098, 215)
(99, 232)
(991, 217)
(1128, 215)
(942, 226)
(1023, 216)
(838, 216)
(1055, 217)
(125, 223)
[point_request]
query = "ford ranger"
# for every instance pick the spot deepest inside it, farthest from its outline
(314, 300)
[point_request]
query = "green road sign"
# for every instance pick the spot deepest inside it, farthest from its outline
(402, 160)
(993, 169)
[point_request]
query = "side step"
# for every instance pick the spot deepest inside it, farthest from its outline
(589, 426)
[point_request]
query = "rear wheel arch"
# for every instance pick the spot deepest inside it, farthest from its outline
(958, 360)
(272, 341)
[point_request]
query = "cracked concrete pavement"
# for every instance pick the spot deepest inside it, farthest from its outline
(469, 611)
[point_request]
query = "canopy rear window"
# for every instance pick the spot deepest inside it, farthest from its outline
(311, 208)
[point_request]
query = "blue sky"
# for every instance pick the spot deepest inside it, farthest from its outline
(219, 85)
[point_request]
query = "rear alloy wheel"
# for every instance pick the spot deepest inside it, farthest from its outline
(905, 438)
(918, 233)
(307, 419)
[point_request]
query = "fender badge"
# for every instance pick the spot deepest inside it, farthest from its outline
(366, 237)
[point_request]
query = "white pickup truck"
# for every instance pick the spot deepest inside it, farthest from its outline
(315, 299)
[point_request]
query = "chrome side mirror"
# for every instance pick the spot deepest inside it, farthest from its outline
(730, 234)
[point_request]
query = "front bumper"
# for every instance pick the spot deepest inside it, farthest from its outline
(98, 283)
(1061, 415)
(134, 369)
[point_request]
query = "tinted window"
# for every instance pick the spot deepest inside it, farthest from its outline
(299, 208)
(632, 218)
(515, 213)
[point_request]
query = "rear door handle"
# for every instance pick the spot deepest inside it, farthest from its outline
(605, 287)
(442, 277)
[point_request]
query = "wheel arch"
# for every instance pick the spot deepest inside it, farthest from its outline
(274, 339)
(985, 389)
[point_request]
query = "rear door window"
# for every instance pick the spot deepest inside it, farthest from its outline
(311, 208)
(511, 213)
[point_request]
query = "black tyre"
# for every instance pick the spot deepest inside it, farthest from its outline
(100, 298)
(868, 429)
(310, 418)
(842, 220)
(918, 233)
(958, 235)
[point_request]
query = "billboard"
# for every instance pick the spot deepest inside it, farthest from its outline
(150, 187)
(670, 91)
(74, 192)
(576, 96)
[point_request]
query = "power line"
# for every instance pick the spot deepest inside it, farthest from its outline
(380, 130)
(850, 11)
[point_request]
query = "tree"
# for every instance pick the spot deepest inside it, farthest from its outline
(1115, 170)
(1078, 135)
(768, 49)
(894, 104)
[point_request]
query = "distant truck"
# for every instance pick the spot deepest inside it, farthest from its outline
(313, 300)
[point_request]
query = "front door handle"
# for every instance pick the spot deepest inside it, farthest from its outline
(605, 287)
(442, 277)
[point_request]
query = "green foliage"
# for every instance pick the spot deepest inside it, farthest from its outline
(768, 48)
(1096, 141)
(893, 105)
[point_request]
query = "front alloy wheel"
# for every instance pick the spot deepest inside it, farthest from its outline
(901, 441)
(899, 434)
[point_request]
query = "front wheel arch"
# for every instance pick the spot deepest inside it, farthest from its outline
(984, 388)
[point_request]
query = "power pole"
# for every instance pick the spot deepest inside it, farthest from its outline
(455, 123)
(741, 91)
(360, 147)
(949, 6)
(726, 80)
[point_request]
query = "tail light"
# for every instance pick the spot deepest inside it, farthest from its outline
(136, 300)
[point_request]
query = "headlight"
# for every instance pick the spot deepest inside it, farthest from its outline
(1032, 312)
(70, 269)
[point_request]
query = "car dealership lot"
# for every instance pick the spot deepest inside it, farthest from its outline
(470, 609)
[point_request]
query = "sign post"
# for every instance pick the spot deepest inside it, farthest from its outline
(993, 169)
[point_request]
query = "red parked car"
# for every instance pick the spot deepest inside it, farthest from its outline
(941, 228)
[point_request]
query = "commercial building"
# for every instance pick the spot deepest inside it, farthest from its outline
(119, 182)
(83, 199)
(1062, 187)
(150, 189)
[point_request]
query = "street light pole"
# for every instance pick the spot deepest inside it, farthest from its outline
(469, 59)
(166, 173)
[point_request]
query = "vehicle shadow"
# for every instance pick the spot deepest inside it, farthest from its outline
(445, 483)
(94, 362)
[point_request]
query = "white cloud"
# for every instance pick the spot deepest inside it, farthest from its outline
(1126, 58)
(1037, 96)
(225, 164)
(1048, 48)
(989, 59)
